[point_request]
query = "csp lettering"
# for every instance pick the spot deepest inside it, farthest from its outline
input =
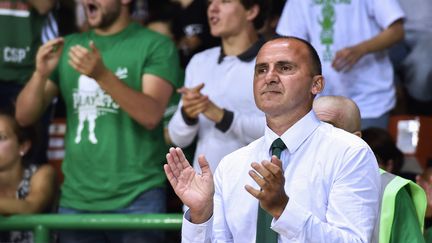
(12, 54)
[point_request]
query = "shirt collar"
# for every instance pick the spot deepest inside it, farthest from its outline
(247, 55)
(296, 134)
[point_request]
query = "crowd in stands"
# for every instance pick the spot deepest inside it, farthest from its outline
(259, 120)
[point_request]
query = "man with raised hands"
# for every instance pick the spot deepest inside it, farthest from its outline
(303, 181)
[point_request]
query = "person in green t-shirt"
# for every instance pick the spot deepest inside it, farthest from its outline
(21, 26)
(403, 203)
(116, 81)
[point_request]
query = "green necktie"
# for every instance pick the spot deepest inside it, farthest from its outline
(264, 233)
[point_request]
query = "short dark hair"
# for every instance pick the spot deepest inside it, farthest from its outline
(313, 54)
(263, 10)
(384, 147)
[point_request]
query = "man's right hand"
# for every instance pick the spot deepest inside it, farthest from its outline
(48, 56)
(194, 190)
(194, 102)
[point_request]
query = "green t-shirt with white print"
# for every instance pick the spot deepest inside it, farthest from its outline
(110, 159)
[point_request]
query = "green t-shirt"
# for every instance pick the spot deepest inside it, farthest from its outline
(110, 159)
(20, 38)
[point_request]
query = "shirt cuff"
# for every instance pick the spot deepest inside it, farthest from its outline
(196, 232)
(189, 121)
(226, 121)
(292, 221)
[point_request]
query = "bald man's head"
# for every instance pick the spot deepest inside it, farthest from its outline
(339, 111)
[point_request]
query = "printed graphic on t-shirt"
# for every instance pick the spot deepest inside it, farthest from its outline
(327, 21)
(15, 54)
(91, 102)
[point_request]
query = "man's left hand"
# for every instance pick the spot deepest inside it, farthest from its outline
(269, 176)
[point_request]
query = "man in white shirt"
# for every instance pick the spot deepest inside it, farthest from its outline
(217, 103)
(324, 188)
(352, 38)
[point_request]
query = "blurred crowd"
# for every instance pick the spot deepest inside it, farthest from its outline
(132, 78)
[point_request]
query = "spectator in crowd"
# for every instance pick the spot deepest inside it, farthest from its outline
(389, 157)
(185, 21)
(425, 181)
(412, 56)
(24, 27)
(268, 31)
(26, 186)
(403, 203)
(191, 29)
(320, 185)
(160, 17)
(352, 38)
(23, 22)
(217, 102)
(339, 111)
(116, 81)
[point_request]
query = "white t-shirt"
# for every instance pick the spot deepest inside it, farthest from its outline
(229, 84)
(331, 179)
(333, 25)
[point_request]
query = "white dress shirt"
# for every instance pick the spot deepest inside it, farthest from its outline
(229, 84)
(332, 182)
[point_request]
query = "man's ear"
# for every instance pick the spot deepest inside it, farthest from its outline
(358, 133)
(317, 84)
(252, 12)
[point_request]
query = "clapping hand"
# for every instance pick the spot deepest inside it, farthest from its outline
(269, 176)
(194, 190)
(194, 103)
(87, 62)
(48, 56)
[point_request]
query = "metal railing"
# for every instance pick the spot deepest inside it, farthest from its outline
(41, 224)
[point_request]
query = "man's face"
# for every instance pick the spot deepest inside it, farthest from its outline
(102, 13)
(283, 81)
(226, 17)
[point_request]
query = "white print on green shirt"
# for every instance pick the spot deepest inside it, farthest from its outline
(90, 102)
(15, 55)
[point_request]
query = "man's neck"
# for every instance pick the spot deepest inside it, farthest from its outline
(236, 45)
(121, 23)
(279, 124)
